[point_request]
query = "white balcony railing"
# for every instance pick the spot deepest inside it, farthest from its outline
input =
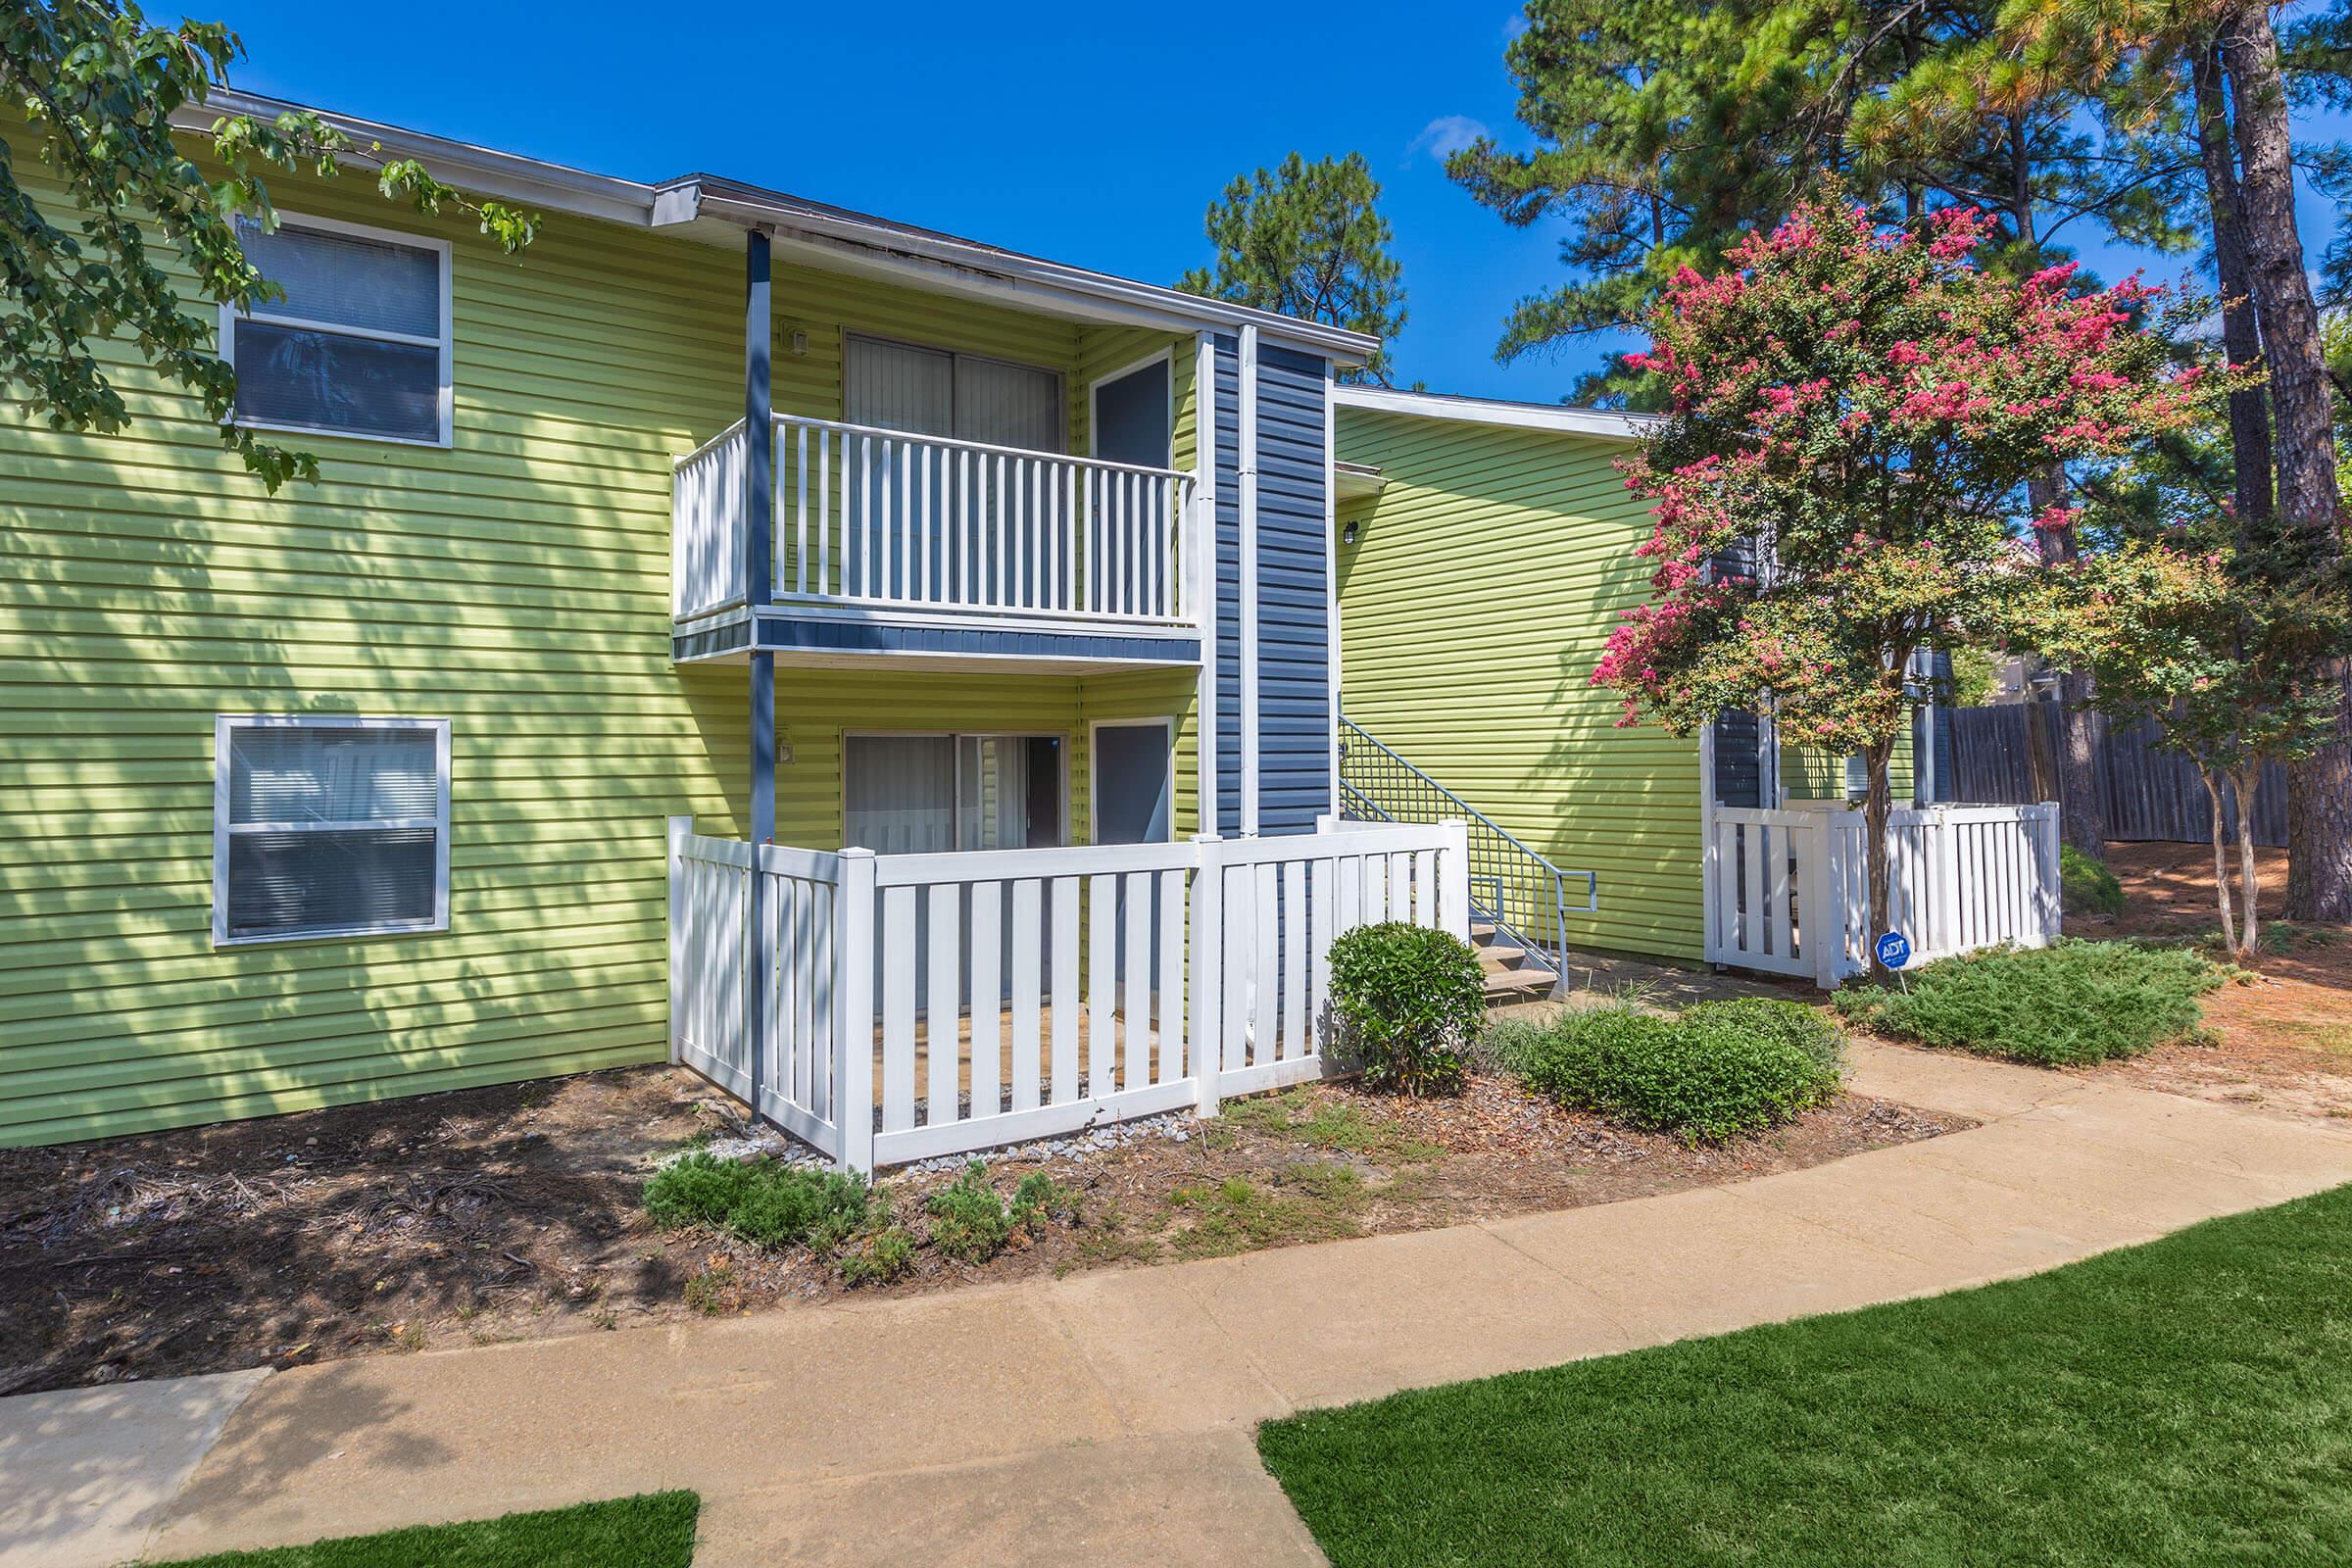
(876, 518)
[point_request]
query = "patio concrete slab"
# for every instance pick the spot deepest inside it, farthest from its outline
(86, 1473)
(1195, 1500)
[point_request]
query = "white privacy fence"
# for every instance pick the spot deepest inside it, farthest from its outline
(922, 1005)
(1788, 890)
(884, 519)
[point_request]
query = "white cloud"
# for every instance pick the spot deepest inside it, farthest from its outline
(1446, 135)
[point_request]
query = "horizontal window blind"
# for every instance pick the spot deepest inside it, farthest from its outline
(328, 827)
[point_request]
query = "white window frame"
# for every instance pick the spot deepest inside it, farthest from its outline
(446, 402)
(1094, 769)
(224, 728)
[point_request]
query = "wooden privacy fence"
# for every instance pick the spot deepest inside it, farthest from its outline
(2148, 792)
(1788, 890)
(911, 1006)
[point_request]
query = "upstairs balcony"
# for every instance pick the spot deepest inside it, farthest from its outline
(886, 542)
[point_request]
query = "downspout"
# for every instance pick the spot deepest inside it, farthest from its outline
(1245, 479)
(1205, 565)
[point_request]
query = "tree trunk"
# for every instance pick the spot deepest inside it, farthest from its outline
(2081, 813)
(2249, 881)
(2241, 339)
(2319, 799)
(2221, 857)
(1876, 807)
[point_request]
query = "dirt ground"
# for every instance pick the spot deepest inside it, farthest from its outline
(2282, 1037)
(515, 1212)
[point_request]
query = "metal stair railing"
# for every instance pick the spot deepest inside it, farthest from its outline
(1525, 896)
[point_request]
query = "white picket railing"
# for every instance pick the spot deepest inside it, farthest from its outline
(877, 519)
(925, 1005)
(1960, 879)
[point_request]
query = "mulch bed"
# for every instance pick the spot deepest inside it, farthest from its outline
(514, 1212)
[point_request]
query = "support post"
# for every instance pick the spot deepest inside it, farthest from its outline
(1204, 550)
(1453, 877)
(1208, 1051)
(758, 584)
(680, 829)
(854, 1012)
(1245, 480)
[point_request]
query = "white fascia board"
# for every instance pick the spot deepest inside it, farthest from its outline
(480, 170)
(1608, 424)
(941, 259)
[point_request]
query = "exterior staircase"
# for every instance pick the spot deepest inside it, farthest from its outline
(1513, 974)
(1519, 900)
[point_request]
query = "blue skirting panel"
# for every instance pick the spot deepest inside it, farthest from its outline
(783, 633)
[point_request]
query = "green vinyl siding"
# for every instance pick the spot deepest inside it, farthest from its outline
(1815, 775)
(1488, 574)
(816, 707)
(517, 584)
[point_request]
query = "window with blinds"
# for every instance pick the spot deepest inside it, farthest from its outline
(358, 344)
(330, 827)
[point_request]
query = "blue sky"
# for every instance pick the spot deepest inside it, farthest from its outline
(1091, 134)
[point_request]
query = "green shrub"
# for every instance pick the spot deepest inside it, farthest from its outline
(2067, 1005)
(2084, 884)
(1408, 1001)
(1717, 1073)
(971, 1223)
(759, 1201)
(877, 1258)
(1791, 1023)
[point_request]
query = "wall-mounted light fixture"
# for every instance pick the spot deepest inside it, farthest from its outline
(1351, 531)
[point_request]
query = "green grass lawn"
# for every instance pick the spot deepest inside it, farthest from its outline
(653, 1531)
(2186, 1401)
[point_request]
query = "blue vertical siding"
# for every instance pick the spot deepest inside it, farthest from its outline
(1294, 592)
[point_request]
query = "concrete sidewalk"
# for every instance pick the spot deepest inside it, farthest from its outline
(1106, 1418)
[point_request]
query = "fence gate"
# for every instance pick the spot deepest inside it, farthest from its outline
(1787, 891)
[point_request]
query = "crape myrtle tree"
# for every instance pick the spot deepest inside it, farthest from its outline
(2229, 655)
(94, 87)
(1867, 404)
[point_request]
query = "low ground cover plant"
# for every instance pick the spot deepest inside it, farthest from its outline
(760, 1201)
(1717, 1071)
(2084, 884)
(2069, 1005)
(970, 1221)
(1408, 1001)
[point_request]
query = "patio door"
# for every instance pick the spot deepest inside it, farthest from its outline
(924, 794)
(936, 392)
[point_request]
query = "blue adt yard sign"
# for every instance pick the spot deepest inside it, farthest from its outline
(1894, 950)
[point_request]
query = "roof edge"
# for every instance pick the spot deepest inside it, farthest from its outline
(486, 170)
(1612, 424)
